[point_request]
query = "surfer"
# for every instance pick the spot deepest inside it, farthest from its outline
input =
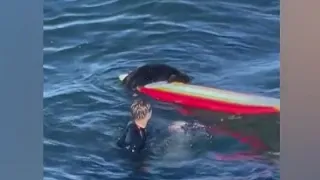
(135, 135)
(151, 73)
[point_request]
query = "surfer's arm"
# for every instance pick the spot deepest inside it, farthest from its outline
(131, 140)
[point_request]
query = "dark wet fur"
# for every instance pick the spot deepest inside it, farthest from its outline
(151, 73)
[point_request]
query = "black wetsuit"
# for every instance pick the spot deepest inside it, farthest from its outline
(133, 139)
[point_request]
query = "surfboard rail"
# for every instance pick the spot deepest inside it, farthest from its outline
(209, 98)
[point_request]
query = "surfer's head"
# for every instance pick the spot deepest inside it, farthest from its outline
(181, 77)
(141, 111)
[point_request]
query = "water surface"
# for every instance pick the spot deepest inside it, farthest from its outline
(87, 44)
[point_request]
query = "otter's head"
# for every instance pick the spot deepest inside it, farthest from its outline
(181, 77)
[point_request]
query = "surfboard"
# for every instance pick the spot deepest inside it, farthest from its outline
(122, 76)
(209, 98)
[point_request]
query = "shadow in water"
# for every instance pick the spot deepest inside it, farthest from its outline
(265, 127)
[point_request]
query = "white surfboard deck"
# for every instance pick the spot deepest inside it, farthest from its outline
(122, 76)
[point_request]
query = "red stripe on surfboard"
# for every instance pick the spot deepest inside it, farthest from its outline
(208, 104)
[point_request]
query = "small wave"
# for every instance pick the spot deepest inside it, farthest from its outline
(69, 16)
(48, 67)
(57, 49)
(99, 4)
(59, 173)
(84, 22)
(51, 142)
(66, 89)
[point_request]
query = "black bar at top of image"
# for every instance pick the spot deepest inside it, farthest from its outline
(21, 53)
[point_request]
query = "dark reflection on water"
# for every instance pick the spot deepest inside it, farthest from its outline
(265, 127)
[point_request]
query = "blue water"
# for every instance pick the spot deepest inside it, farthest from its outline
(223, 43)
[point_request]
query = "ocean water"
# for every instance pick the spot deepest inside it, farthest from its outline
(87, 43)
